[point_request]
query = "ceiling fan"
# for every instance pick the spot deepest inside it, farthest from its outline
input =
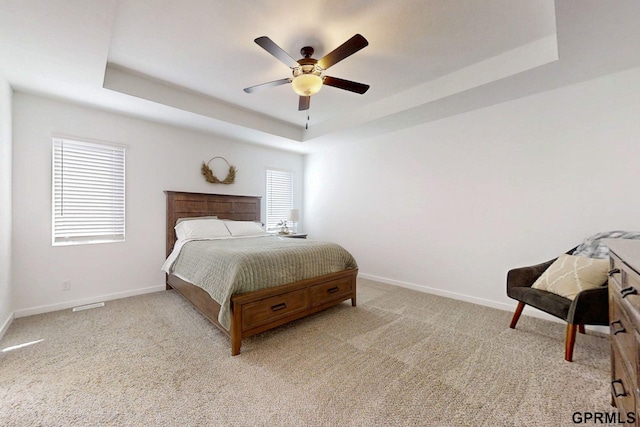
(307, 77)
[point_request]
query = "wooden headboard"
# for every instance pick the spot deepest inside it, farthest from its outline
(182, 205)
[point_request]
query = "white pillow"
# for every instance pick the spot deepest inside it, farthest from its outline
(201, 229)
(191, 218)
(245, 228)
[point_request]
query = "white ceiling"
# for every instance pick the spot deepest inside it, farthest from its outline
(186, 62)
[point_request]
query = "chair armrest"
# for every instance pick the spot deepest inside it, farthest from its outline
(526, 276)
(590, 307)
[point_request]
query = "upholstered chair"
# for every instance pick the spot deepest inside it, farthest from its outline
(590, 307)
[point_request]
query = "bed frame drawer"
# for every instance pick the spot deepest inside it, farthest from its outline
(330, 291)
(264, 311)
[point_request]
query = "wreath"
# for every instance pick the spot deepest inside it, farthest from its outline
(210, 177)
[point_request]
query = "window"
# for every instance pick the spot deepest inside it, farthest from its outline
(88, 192)
(279, 197)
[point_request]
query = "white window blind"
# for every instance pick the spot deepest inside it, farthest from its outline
(88, 192)
(279, 197)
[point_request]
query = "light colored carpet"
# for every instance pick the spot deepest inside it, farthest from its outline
(400, 358)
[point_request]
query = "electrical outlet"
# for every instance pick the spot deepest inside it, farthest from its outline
(66, 285)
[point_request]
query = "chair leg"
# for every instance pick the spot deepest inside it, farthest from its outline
(581, 329)
(570, 341)
(517, 314)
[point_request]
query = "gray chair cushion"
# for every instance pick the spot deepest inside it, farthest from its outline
(546, 301)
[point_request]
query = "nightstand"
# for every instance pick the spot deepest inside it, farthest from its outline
(294, 236)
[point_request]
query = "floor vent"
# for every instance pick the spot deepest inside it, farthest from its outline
(88, 306)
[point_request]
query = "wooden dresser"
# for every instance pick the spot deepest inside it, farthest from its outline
(624, 323)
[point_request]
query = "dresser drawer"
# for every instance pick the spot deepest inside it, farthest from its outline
(623, 336)
(631, 279)
(622, 390)
(624, 283)
(326, 292)
(264, 311)
(631, 291)
(624, 323)
(615, 270)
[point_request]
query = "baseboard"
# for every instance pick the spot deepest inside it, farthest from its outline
(440, 292)
(529, 311)
(6, 325)
(70, 304)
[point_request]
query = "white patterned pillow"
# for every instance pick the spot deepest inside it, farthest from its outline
(570, 274)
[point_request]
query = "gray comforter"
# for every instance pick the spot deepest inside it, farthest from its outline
(232, 266)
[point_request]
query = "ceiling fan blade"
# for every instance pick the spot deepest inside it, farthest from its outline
(267, 44)
(347, 48)
(346, 84)
(304, 103)
(267, 85)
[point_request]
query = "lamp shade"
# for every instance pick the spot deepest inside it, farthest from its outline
(294, 215)
(307, 84)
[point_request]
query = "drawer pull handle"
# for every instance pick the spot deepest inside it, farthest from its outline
(617, 331)
(333, 290)
(615, 392)
(628, 291)
(278, 307)
(613, 271)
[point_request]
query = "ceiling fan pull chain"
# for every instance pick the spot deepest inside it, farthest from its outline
(307, 125)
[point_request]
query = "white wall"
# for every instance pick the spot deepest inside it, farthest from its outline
(451, 206)
(6, 310)
(448, 207)
(159, 158)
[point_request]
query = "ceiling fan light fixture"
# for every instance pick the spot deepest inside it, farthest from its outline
(307, 71)
(307, 84)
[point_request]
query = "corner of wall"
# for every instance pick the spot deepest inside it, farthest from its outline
(6, 183)
(5, 325)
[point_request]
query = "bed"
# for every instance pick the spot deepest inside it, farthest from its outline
(256, 311)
